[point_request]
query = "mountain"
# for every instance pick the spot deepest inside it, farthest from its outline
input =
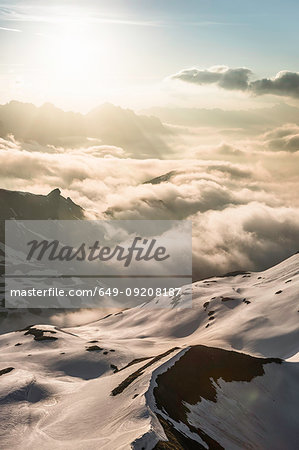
(137, 134)
(45, 124)
(27, 206)
(106, 125)
(252, 119)
(162, 178)
(222, 374)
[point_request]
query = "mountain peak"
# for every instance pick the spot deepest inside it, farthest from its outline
(54, 193)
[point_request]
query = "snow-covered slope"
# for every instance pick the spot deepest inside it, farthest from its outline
(252, 312)
(222, 374)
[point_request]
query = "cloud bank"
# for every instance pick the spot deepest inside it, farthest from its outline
(245, 213)
(238, 188)
(284, 83)
(284, 138)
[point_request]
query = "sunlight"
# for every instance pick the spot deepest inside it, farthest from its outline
(74, 53)
(79, 62)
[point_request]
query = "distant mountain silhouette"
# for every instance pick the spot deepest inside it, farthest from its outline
(249, 120)
(110, 125)
(162, 178)
(27, 206)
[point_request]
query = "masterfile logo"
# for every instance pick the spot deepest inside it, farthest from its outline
(145, 250)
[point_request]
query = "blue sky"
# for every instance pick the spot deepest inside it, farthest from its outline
(131, 44)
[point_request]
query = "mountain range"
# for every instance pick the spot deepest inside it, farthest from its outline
(139, 135)
(221, 374)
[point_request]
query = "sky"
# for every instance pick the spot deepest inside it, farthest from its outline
(79, 54)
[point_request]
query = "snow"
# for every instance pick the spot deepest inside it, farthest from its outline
(258, 405)
(59, 394)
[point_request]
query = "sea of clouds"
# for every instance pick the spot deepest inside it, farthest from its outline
(240, 193)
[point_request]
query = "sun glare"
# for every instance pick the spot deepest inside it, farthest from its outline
(74, 56)
(78, 62)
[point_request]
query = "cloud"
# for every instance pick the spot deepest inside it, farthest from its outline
(10, 29)
(247, 237)
(209, 186)
(285, 83)
(245, 214)
(238, 224)
(240, 219)
(284, 138)
(229, 150)
(223, 76)
(68, 14)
